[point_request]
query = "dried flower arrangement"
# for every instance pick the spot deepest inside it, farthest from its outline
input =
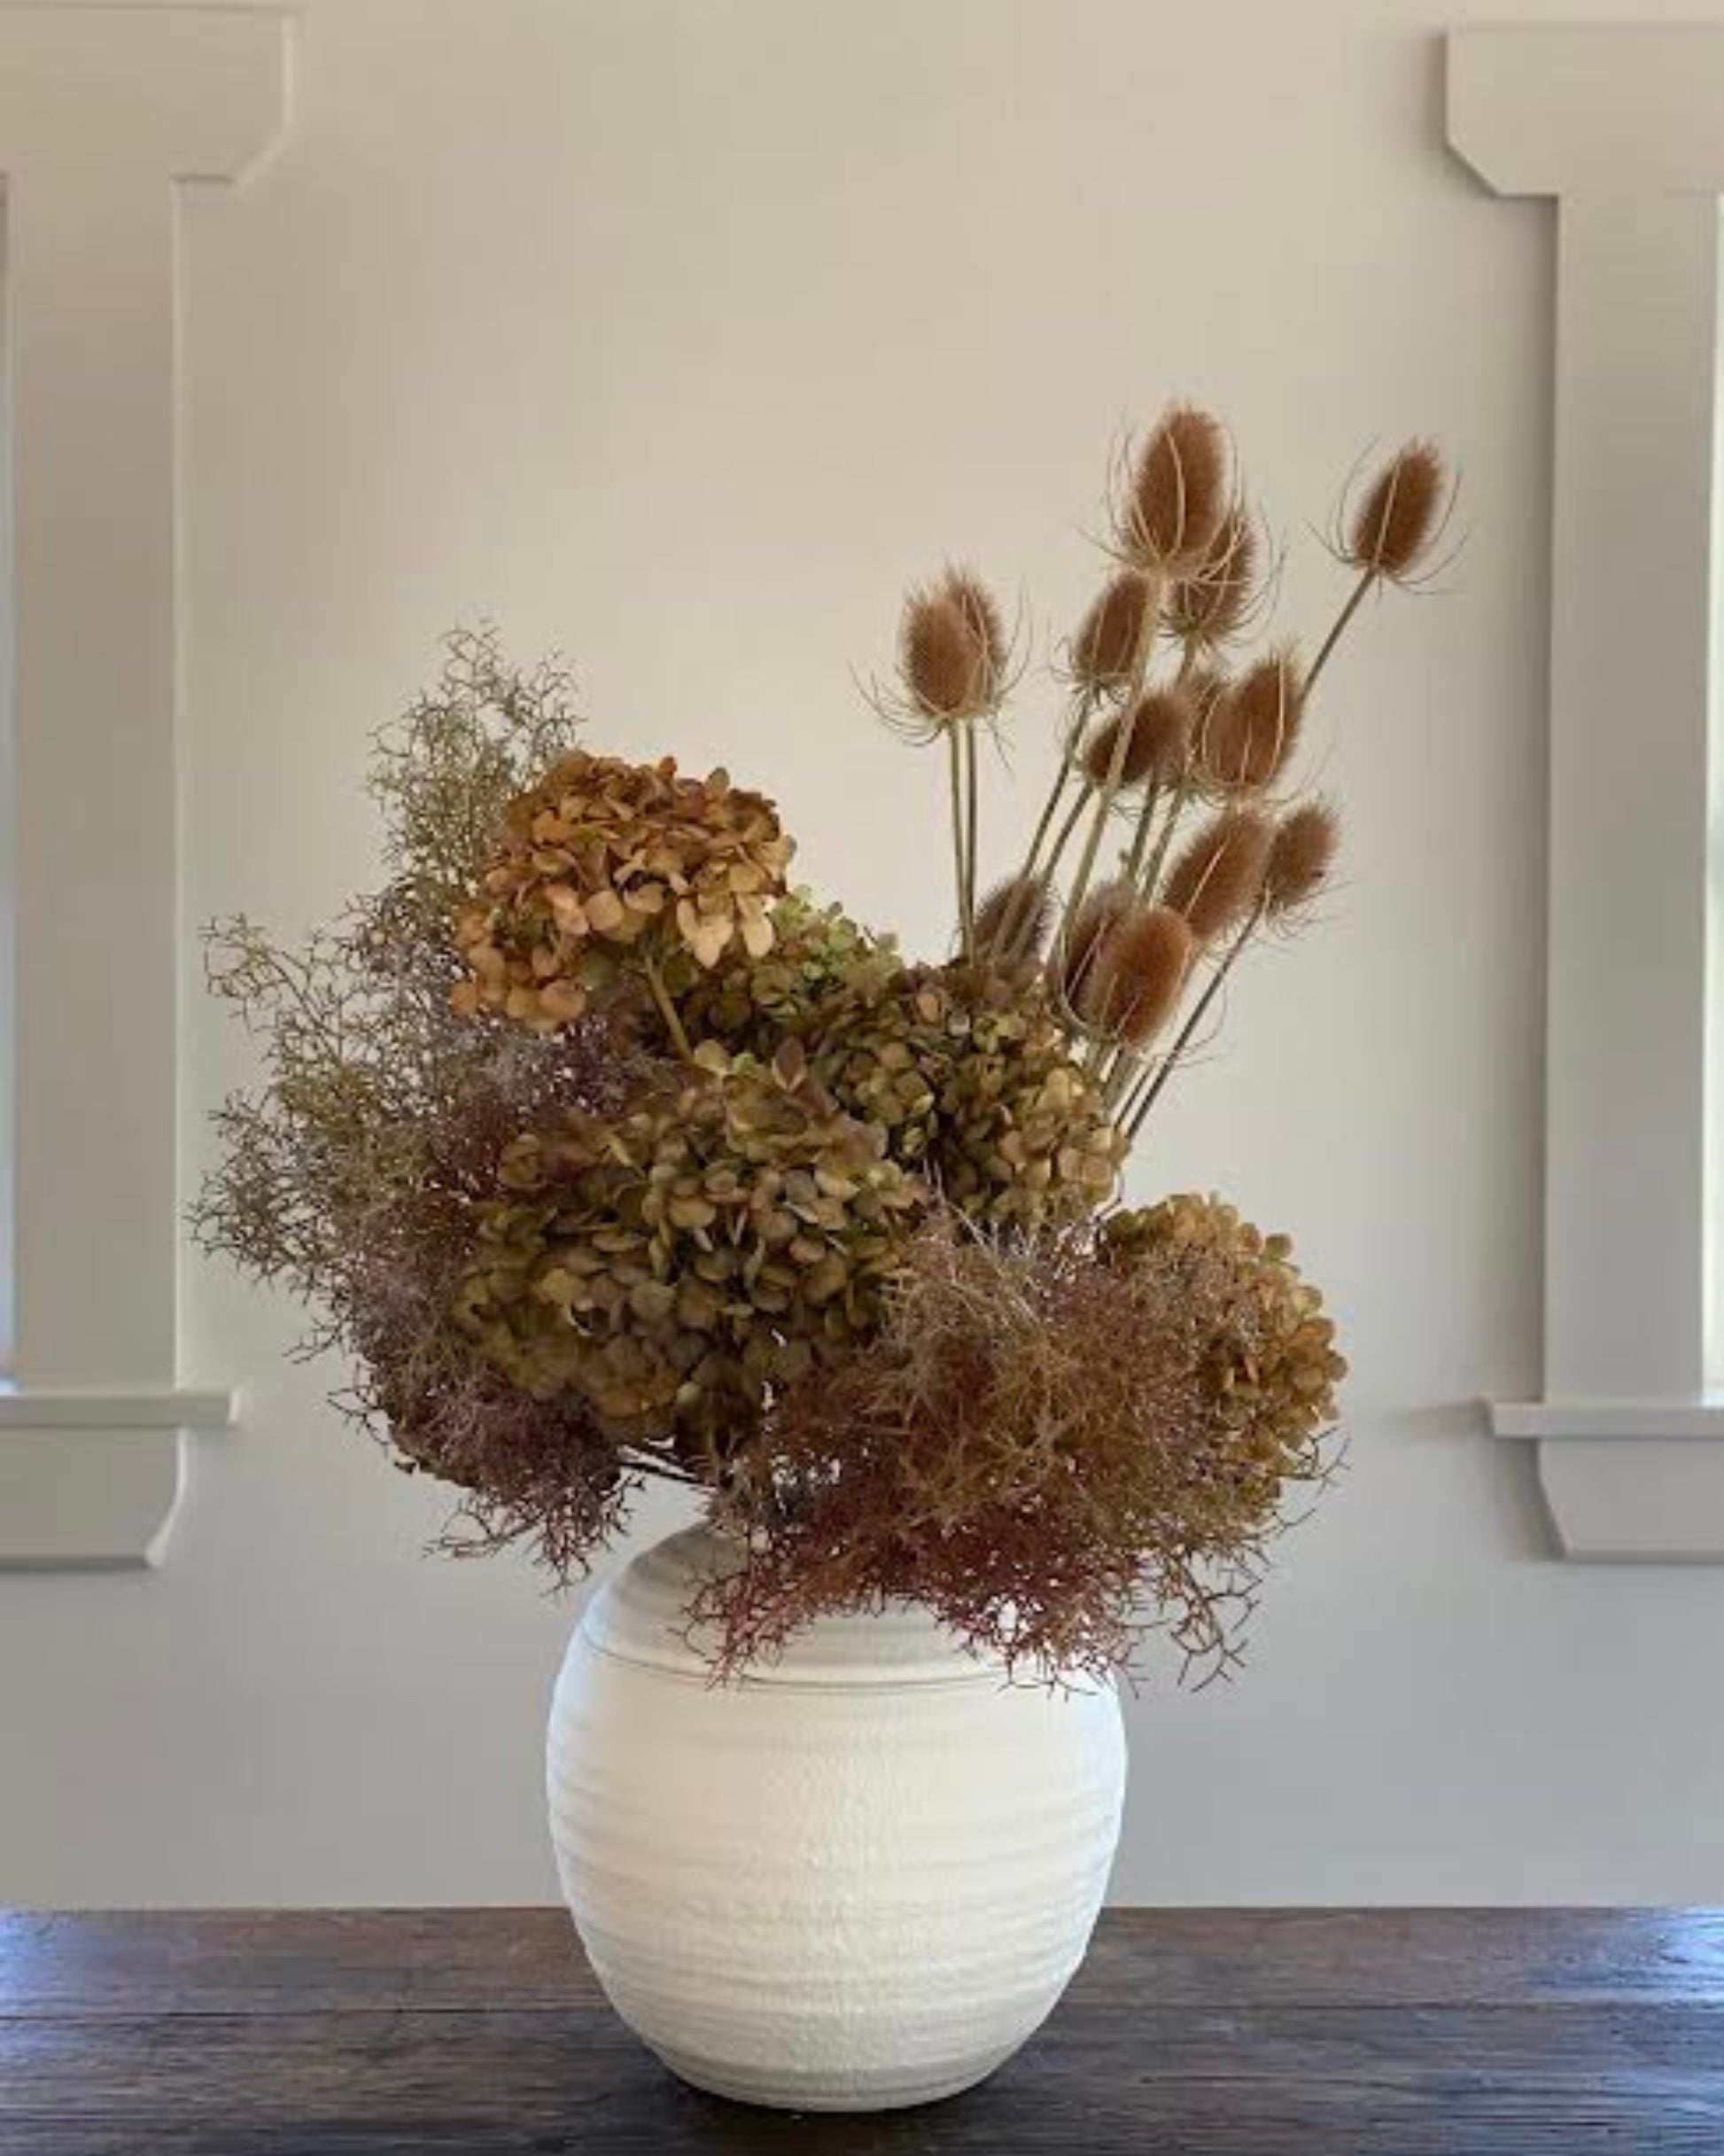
(604, 1153)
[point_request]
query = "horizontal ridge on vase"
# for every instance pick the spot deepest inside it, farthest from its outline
(855, 1878)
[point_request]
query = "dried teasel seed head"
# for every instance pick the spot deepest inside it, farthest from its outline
(1301, 856)
(1216, 600)
(1015, 917)
(936, 655)
(1217, 879)
(1104, 652)
(1095, 921)
(1252, 729)
(1178, 492)
(1163, 728)
(986, 624)
(1156, 733)
(1138, 975)
(1399, 513)
(945, 653)
(1116, 740)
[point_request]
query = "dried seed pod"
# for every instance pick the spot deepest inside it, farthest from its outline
(1095, 919)
(1301, 856)
(942, 659)
(1156, 732)
(1104, 652)
(1178, 492)
(1217, 879)
(987, 626)
(1399, 513)
(1117, 739)
(1163, 728)
(1214, 602)
(1014, 916)
(1251, 730)
(1139, 974)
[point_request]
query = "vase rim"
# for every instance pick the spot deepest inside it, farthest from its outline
(641, 1616)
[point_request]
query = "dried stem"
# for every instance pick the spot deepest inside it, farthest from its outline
(1020, 944)
(973, 810)
(1178, 801)
(1134, 859)
(1356, 599)
(667, 1009)
(960, 853)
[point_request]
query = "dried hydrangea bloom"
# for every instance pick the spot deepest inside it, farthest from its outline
(972, 1077)
(670, 1265)
(1269, 1357)
(750, 1005)
(603, 857)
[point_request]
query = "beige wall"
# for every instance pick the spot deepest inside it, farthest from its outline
(680, 335)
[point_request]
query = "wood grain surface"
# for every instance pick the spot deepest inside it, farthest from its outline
(1208, 2032)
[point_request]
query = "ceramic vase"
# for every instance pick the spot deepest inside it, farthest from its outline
(856, 1878)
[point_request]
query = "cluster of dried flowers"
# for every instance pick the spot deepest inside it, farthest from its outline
(602, 1154)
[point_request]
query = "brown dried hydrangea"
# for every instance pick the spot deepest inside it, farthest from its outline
(603, 857)
(1269, 1362)
(673, 1265)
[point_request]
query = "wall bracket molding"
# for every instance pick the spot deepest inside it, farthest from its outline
(1626, 1482)
(95, 1480)
(104, 112)
(1623, 129)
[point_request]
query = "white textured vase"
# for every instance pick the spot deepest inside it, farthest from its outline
(858, 1877)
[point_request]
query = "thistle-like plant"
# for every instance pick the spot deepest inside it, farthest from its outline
(1175, 792)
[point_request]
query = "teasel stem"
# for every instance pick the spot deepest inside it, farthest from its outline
(1121, 1077)
(1134, 859)
(1020, 944)
(1355, 600)
(667, 1010)
(1115, 1082)
(1074, 725)
(1119, 1110)
(972, 804)
(961, 855)
(1105, 793)
(1170, 1062)
(1100, 1043)
(1179, 799)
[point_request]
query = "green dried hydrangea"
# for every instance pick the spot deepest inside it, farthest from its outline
(971, 1079)
(1273, 1370)
(676, 1263)
(750, 1005)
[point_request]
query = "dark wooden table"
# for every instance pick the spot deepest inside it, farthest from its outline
(1217, 2033)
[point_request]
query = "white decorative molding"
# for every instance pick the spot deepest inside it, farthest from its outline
(1624, 128)
(81, 1474)
(1638, 1482)
(103, 110)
